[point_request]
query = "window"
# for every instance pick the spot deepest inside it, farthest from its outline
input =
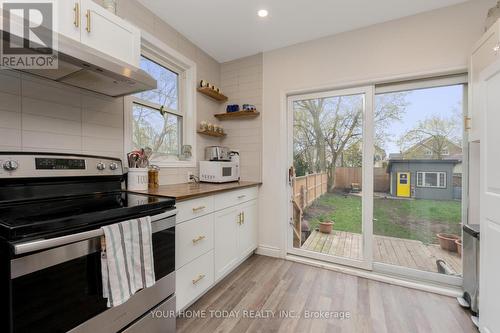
(445, 151)
(156, 114)
(164, 118)
(431, 179)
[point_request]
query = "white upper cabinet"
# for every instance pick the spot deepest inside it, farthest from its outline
(110, 34)
(69, 19)
(94, 26)
(486, 51)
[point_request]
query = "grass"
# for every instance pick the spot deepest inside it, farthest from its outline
(410, 219)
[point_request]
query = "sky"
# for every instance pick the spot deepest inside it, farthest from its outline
(424, 103)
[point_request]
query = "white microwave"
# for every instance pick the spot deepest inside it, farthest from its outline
(219, 171)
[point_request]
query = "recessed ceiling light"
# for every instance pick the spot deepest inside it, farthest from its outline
(262, 13)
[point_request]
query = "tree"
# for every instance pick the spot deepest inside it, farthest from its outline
(325, 127)
(433, 134)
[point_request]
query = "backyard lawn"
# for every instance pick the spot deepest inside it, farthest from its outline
(411, 219)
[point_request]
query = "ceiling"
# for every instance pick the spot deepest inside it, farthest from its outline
(231, 29)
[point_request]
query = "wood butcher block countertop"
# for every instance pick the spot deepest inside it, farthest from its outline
(188, 191)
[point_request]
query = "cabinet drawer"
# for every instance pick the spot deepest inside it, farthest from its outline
(236, 197)
(190, 209)
(193, 238)
(193, 279)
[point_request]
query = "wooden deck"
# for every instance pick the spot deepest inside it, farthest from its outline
(396, 251)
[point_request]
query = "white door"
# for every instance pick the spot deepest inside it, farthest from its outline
(489, 288)
(109, 34)
(323, 129)
(69, 18)
(247, 234)
(226, 240)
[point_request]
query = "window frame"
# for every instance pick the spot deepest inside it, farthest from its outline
(157, 51)
(423, 174)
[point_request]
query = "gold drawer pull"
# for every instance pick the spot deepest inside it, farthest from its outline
(76, 22)
(197, 239)
(198, 279)
(241, 196)
(88, 21)
(239, 219)
(197, 209)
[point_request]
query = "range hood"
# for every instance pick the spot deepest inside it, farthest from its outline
(87, 68)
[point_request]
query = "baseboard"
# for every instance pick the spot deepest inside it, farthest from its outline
(398, 281)
(269, 251)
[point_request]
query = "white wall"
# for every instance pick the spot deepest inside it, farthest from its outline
(241, 81)
(430, 42)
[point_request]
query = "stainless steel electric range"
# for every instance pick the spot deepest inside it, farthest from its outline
(51, 209)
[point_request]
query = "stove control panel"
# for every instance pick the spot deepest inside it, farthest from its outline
(27, 165)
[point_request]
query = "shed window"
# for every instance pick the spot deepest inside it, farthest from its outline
(431, 179)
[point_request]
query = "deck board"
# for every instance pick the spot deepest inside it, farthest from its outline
(395, 251)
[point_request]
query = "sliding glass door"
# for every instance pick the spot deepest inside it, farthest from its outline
(377, 177)
(330, 151)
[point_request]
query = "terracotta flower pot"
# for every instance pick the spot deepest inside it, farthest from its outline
(326, 227)
(447, 242)
(458, 242)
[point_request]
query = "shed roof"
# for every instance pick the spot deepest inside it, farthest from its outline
(422, 161)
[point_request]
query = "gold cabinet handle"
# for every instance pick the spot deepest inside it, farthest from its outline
(76, 9)
(239, 219)
(467, 123)
(198, 279)
(197, 239)
(242, 217)
(88, 21)
(197, 209)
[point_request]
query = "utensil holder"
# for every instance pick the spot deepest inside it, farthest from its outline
(137, 179)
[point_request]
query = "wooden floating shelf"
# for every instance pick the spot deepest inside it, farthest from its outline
(237, 115)
(213, 133)
(213, 94)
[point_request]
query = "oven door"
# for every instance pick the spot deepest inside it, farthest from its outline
(60, 289)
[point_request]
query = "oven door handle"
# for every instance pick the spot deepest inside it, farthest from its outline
(159, 222)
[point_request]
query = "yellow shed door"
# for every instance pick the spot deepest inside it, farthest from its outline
(403, 184)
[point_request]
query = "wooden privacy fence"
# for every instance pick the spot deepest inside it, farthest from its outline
(308, 188)
(345, 177)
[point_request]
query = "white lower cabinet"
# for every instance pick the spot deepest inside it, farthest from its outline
(209, 247)
(247, 231)
(226, 241)
(193, 279)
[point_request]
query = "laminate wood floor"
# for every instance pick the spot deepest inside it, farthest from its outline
(254, 294)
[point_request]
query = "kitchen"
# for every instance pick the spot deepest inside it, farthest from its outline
(162, 115)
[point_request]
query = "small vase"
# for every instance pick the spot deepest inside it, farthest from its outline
(326, 227)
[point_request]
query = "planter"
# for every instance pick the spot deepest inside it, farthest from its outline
(458, 242)
(326, 227)
(447, 242)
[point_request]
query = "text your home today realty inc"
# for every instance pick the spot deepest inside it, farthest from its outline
(254, 314)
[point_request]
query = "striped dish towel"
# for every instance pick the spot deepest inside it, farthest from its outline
(127, 259)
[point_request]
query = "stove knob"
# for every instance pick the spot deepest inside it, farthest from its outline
(113, 166)
(10, 165)
(101, 166)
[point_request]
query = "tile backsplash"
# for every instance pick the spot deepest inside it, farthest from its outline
(41, 115)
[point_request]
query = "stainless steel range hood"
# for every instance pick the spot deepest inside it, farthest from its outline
(84, 67)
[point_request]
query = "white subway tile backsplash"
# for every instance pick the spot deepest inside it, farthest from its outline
(10, 102)
(52, 141)
(51, 125)
(10, 82)
(10, 137)
(50, 91)
(10, 119)
(104, 119)
(102, 144)
(101, 131)
(51, 109)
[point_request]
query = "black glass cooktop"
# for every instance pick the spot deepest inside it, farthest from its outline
(62, 215)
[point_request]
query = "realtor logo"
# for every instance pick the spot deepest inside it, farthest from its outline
(28, 37)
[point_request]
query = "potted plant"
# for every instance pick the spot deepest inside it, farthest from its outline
(325, 225)
(447, 241)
